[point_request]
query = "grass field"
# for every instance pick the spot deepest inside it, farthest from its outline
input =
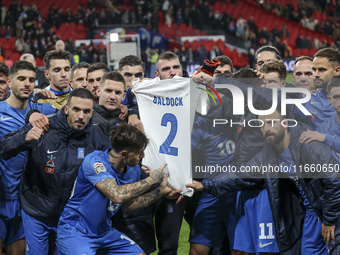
(183, 243)
(289, 78)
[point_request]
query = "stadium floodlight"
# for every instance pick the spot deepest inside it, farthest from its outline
(114, 37)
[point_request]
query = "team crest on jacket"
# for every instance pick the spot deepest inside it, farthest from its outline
(99, 167)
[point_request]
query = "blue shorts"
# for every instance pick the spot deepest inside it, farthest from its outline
(40, 234)
(312, 241)
(254, 232)
(212, 220)
(70, 241)
(11, 227)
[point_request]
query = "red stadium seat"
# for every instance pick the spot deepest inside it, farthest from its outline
(312, 52)
(297, 52)
(305, 52)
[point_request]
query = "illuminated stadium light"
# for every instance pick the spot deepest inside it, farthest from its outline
(114, 37)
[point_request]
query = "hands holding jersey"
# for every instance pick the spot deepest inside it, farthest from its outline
(197, 186)
(164, 186)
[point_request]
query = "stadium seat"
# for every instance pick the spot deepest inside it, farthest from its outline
(305, 52)
(297, 52)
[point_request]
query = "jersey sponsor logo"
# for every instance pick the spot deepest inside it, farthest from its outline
(50, 152)
(314, 102)
(49, 170)
(264, 245)
(99, 167)
(50, 162)
(4, 119)
(213, 137)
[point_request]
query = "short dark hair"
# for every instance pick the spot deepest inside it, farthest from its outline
(128, 137)
(113, 76)
(78, 66)
(98, 66)
(56, 54)
(276, 66)
(270, 49)
(333, 83)
(80, 92)
(248, 76)
(4, 69)
(333, 55)
(21, 65)
(167, 55)
(302, 58)
(225, 61)
(130, 60)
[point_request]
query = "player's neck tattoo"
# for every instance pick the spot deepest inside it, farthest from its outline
(111, 154)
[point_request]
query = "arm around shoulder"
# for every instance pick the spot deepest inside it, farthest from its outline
(14, 142)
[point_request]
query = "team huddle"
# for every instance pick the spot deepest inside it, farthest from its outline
(72, 177)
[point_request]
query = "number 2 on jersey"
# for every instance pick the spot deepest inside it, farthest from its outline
(165, 148)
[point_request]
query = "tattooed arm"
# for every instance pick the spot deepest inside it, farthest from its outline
(150, 197)
(120, 194)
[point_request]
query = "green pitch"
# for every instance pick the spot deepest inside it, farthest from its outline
(289, 78)
(183, 242)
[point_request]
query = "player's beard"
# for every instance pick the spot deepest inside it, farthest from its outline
(322, 84)
(22, 97)
(277, 138)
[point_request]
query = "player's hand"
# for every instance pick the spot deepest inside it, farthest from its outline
(259, 74)
(180, 198)
(123, 111)
(167, 191)
(327, 233)
(164, 186)
(175, 194)
(157, 175)
(309, 136)
(134, 121)
(45, 94)
(203, 78)
(145, 169)
(39, 120)
(197, 186)
(34, 134)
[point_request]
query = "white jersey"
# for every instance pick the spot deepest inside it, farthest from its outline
(164, 108)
